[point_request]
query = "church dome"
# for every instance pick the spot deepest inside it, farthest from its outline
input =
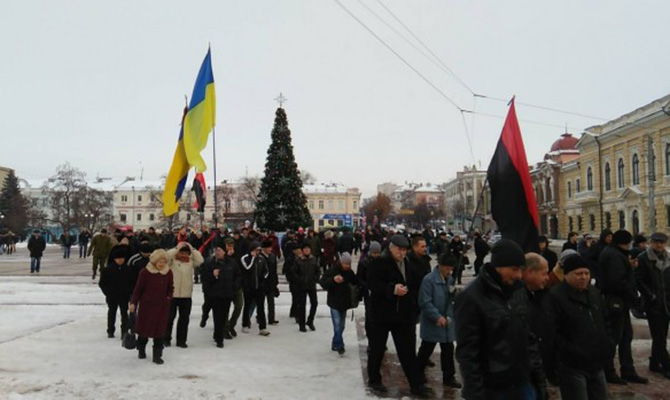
(566, 142)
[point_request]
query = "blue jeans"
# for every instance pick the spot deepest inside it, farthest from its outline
(526, 391)
(35, 264)
(339, 321)
(66, 251)
(582, 385)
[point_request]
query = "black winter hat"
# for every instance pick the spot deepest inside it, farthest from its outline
(400, 241)
(573, 262)
(639, 239)
(267, 243)
(507, 253)
(119, 251)
(622, 236)
(447, 259)
(145, 247)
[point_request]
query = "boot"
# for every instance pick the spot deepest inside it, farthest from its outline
(158, 355)
(613, 378)
(141, 351)
(655, 366)
(633, 377)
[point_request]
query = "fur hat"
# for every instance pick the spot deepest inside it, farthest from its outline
(622, 236)
(507, 253)
(119, 251)
(157, 255)
(573, 262)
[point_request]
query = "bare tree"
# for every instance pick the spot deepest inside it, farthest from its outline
(63, 191)
(307, 177)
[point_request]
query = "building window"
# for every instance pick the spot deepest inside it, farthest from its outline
(340, 204)
(320, 204)
(321, 222)
(652, 166)
(589, 179)
(620, 176)
(608, 220)
(311, 204)
(188, 217)
(636, 170)
(580, 227)
(622, 220)
(124, 198)
(569, 190)
(139, 198)
(570, 224)
(578, 183)
(592, 222)
(667, 160)
(330, 204)
(122, 217)
(608, 180)
(139, 217)
(667, 215)
(355, 205)
(636, 222)
(152, 217)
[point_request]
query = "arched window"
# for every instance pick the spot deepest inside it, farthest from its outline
(608, 178)
(636, 170)
(589, 179)
(580, 227)
(620, 176)
(622, 220)
(667, 159)
(636, 222)
(608, 220)
(570, 224)
(548, 191)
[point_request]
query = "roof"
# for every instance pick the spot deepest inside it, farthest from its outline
(565, 142)
(326, 188)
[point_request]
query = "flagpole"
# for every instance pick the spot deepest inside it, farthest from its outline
(216, 203)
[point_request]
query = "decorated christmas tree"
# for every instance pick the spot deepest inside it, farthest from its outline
(281, 203)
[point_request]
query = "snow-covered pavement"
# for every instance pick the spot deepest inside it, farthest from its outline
(53, 345)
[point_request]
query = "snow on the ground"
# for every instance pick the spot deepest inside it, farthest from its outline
(53, 345)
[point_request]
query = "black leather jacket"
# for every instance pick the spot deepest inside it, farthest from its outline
(496, 350)
(653, 281)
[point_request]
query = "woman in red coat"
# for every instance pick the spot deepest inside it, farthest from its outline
(153, 293)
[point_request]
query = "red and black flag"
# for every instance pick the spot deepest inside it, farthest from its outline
(513, 202)
(200, 190)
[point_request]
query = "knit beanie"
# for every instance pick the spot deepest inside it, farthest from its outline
(375, 247)
(567, 253)
(345, 258)
(573, 262)
(622, 236)
(507, 253)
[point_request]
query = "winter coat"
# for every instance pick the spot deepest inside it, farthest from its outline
(456, 248)
(496, 349)
(100, 246)
(329, 255)
(306, 273)
(315, 245)
(116, 282)
(436, 301)
(652, 277)
(241, 248)
(339, 294)
(183, 272)
(254, 272)
(441, 246)
(272, 279)
(152, 296)
(541, 326)
(84, 237)
(66, 240)
(582, 341)
(616, 281)
(481, 247)
(136, 264)
(420, 264)
(36, 246)
(227, 283)
(362, 276)
(383, 275)
(346, 244)
(154, 240)
(568, 245)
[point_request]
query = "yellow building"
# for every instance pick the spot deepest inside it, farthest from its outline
(4, 171)
(333, 205)
(623, 167)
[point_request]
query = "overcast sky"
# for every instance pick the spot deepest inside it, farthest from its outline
(101, 84)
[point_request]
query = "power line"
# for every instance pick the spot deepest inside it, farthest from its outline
(522, 120)
(427, 48)
(481, 96)
(453, 103)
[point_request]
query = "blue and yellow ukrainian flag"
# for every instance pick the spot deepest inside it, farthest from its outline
(201, 115)
(197, 122)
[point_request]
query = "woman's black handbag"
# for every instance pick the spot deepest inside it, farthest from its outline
(129, 340)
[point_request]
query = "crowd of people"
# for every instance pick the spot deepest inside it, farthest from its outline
(526, 320)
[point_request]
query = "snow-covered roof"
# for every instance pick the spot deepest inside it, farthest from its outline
(325, 188)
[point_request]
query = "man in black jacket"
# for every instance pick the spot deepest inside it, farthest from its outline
(419, 259)
(221, 280)
(338, 281)
(481, 251)
(576, 311)
(374, 251)
(115, 283)
(345, 243)
(306, 275)
(254, 273)
(271, 282)
(546, 252)
(497, 353)
(594, 251)
(617, 284)
(653, 281)
(36, 246)
(394, 290)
